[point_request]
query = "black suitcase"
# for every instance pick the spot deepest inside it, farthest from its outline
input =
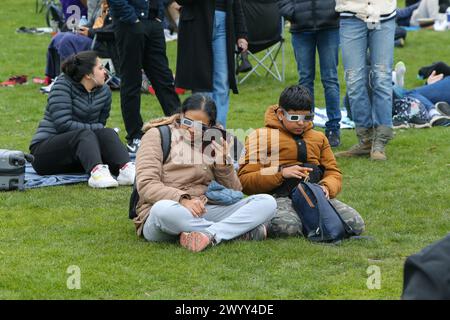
(12, 169)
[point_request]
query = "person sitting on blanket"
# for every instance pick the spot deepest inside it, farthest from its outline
(72, 137)
(172, 202)
(286, 151)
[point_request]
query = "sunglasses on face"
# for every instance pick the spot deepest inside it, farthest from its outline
(298, 117)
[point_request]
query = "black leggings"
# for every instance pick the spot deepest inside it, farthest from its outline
(79, 151)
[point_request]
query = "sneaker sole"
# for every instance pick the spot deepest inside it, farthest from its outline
(440, 122)
(124, 183)
(105, 186)
(420, 126)
(194, 241)
(401, 126)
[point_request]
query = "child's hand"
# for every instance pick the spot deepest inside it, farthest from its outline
(296, 172)
(326, 191)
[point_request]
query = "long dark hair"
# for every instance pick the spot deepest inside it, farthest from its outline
(78, 65)
(199, 101)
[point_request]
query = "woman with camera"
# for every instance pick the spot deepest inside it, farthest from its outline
(172, 202)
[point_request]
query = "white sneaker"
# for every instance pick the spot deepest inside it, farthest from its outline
(127, 174)
(400, 70)
(102, 178)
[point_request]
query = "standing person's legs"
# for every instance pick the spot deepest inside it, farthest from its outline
(328, 47)
(221, 86)
(381, 50)
(304, 45)
(354, 39)
(70, 152)
(130, 45)
(169, 218)
(156, 67)
(113, 152)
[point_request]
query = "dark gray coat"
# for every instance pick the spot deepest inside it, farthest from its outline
(70, 107)
(309, 15)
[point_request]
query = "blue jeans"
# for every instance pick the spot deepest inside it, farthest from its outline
(327, 43)
(429, 94)
(221, 86)
(356, 37)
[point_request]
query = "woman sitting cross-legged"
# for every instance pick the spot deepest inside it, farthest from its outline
(72, 137)
(172, 202)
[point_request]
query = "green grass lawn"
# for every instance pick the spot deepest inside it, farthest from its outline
(404, 201)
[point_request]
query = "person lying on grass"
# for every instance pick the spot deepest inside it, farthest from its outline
(72, 137)
(286, 151)
(172, 203)
(429, 105)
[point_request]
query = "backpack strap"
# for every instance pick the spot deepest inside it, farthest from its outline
(347, 228)
(302, 154)
(166, 141)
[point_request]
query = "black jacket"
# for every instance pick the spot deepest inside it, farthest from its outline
(195, 57)
(70, 107)
(128, 11)
(427, 273)
(309, 15)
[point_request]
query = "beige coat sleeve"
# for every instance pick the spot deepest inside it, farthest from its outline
(149, 168)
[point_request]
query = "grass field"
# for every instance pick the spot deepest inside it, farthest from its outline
(404, 201)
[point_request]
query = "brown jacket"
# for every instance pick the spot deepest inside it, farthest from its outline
(263, 175)
(175, 178)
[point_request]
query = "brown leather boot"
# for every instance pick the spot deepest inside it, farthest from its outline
(382, 136)
(365, 137)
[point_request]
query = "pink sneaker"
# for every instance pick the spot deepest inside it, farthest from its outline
(195, 241)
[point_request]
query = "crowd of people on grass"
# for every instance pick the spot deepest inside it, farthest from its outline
(173, 188)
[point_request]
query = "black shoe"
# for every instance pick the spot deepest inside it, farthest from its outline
(400, 124)
(334, 138)
(134, 145)
(244, 65)
(443, 108)
(418, 123)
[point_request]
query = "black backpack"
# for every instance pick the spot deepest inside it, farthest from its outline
(166, 140)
